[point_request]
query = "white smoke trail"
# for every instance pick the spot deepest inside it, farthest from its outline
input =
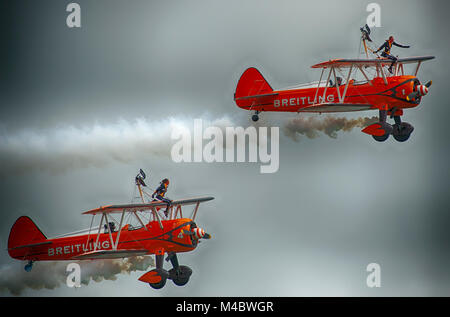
(51, 275)
(329, 125)
(60, 149)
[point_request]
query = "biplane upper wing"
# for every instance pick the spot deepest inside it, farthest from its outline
(110, 254)
(147, 206)
(336, 107)
(343, 63)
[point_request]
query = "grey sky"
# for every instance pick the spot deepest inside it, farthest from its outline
(334, 206)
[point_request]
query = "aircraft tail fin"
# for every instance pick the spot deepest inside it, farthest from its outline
(252, 85)
(24, 234)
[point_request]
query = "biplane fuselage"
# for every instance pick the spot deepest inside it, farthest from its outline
(389, 91)
(374, 95)
(151, 239)
(159, 235)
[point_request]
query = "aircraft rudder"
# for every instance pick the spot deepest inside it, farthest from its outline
(23, 232)
(251, 83)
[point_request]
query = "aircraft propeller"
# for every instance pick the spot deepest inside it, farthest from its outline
(419, 91)
(198, 233)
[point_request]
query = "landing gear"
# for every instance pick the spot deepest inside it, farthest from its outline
(385, 126)
(29, 266)
(255, 117)
(401, 130)
(179, 274)
(158, 277)
(159, 271)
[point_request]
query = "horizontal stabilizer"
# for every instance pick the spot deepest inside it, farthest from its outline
(31, 245)
(257, 96)
(110, 254)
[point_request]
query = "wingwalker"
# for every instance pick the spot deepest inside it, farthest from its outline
(143, 229)
(383, 85)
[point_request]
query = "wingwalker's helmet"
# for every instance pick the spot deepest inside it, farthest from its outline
(165, 181)
(391, 39)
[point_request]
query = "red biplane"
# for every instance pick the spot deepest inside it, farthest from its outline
(377, 89)
(154, 234)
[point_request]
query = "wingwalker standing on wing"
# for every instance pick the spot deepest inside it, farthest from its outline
(138, 231)
(387, 51)
(159, 193)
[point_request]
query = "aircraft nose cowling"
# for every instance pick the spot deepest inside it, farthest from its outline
(419, 91)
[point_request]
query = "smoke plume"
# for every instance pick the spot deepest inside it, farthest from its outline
(329, 125)
(51, 275)
(63, 148)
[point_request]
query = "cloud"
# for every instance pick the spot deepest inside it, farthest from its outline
(329, 125)
(51, 275)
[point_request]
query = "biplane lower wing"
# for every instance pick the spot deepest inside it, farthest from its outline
(109, 254)
(336, 107)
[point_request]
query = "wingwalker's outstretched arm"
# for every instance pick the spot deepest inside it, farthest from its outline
(399, 45)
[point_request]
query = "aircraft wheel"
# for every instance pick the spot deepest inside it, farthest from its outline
(401, 138)
(255, 117)
(381, 138)
(181, 275)
(28, 267)
(402, 131)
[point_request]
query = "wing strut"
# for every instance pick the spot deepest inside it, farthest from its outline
(337, 85)
(318, 85)
(365, 75)
(109, 230)
(195, 211)
(98, 233)
(120, 230)
(155, 214)
(326, 87)
(346, 84)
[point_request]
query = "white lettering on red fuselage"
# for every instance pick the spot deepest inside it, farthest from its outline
(300, 101)
(78, 248)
